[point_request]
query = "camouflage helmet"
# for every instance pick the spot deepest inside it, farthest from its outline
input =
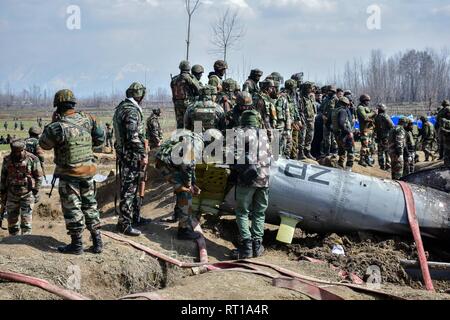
(276, 76)
(256, 72)
(18, 145)
(185, 66)
(208, 91)
(344, 101)
(297, 76)
(382, 107)
(250, 118)
(364, 97)
(34, 131)
(306, 86)
(244, 99)
(64, 96)
(446, 103)
(290, 84)
(197, 69)
(220, 65)
(230, 85)
(136, 90)
(267, 83)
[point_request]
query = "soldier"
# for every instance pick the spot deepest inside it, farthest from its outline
(291, 95)
(252, 190)
(197, 71)
(131, 149)
(8, 139)
(22, 127)
(109, 136)
(184, 91)
(383, 125)
(428, 135)
(227, 98)
(439, 117)
(343, 130)
(16, 125)
(366, 124)
(329, 144)
(298, 77)
(5, 125)
(205, 111)
(244, 102)
(154, 131)
(251, 85)
(307, 113)
(2, 140)
(445, 129)
(397, 147)
(264, 104)
(21, 179)
(181, 174)
(410, 150)
(32, 144)
(215, 78)
(283, 121)
(72, 135)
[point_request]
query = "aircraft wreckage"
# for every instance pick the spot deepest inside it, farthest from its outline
(321, 199)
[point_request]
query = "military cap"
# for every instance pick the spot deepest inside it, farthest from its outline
(307, 85)
(35, 130)
(64, 96)
(196, 69)
(18, 145)
(244, 99)
(136, 90)
(185, 66)
(220, 65)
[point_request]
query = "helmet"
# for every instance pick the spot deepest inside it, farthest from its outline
(230, 85)
(277, 77)
(256, 72)
(332, 88)
(64, 96)
(364, 97)
(196, 69)
(220, 65)
(251, 118)
(290, 84)
(185, 66)
(136, 90)
(267, 83)
(382, 107)
(156, 111)
(35, 130)
(348, 93)
(344, 101)
(325, 89)
(244, 99)
(297, 76)
(446, 103)
(18, 145)
(307, 85)
(208, 91)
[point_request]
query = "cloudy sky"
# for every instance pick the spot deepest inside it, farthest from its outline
(121, 41)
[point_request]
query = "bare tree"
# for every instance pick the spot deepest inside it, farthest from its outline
(227, 32)
(191, 7)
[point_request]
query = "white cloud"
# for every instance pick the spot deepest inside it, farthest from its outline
(131, 68)
(311, 5)
(238, 3)
(442, 10)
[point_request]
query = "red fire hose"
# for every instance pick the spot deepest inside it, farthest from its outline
(414, 224)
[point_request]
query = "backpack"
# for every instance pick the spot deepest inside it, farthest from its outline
(205, 112)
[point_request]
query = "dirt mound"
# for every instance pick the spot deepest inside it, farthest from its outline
(47, 210)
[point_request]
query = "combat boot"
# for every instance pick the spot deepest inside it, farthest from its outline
(301, 155)
(76, 247)
(309, 155)
(362, 163)
(187, 234)
(128, 230)
(258, 248)
(244, 250)
(97, 243)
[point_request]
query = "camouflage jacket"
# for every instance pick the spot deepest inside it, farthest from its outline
(427, 132)
(154, 131)
(215, 81)
(284, 119)
(383, 124)
(185, 87)
(72, 135)
(109, 133)
(227, 100)
(209, 113)
(129, 129)
(365, 117)
(397, 140)
(327, 106)
(266, 107)
(293, 107)
(410, 142)
(32, 146)
(307, 108)
(21, 177)
(251, 87)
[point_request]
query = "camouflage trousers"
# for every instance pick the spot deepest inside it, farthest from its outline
(129, 198)
(427, 148)
(180, 110)
(306, 136)
(183, 205)
(366, 144)
(383, 153)
(20, 208)
(254, 201)
(294, 148)
(345, 150)
(79, 204)
(398, 164)
(285, 143)
(329, 144)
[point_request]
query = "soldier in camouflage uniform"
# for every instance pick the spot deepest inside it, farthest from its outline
(251, 85)
(252, 190)
(428, 135)
(21, 178)
(383, 125)
(440, 136)
(109, 136)
(154, 131)
(445, 132)
(366, 125)
(283, 120)
(329, 145)
(227, 98)
(215, 78)
(307, 113)
(410, 150)
(343, 131)
(132, 157)
(397, 147)
(291, 96)
(264, 103)
(185, 89)
(181, 174)
(73, 135)
(198, 71)
(205, 111)
(32, 144)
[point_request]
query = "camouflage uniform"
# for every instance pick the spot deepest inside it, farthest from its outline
(184, 90)
(291, 96)
(329, 144)
(366, 126)
(397, 146)
(215, 78)
(129, 127)
(154, 132)
(440, 136)
(20, 182)
(307, 115)
(32, 146)
(283, 125)
(265, 105)
(197, 71)
(383, 125)
(343, 131)
(428, 137)
(444, 127)
(109, 136)
(251, 84)
(244, 102)
(227, 98)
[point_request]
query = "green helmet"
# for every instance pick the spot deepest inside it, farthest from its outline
(290, 84)
(230, 85)
(382, 107)
(220, 65)
(446, 103)
(185, 66)
(34, 131)
(277, 77)
(256, 72)
(344, 101)
(297, 77)
(267, 83)
(307, 86)
(197, 69)
(64, 96)
(251, 118)
(364, 97)
(207, 91)
(244, 99)
(136, 90)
